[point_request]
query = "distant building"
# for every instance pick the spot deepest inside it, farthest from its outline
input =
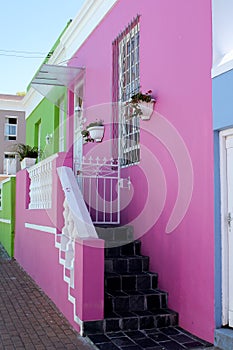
(12, 131)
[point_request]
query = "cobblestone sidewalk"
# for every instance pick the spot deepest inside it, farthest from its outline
(28, 318)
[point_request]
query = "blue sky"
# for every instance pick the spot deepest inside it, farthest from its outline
(29, 26)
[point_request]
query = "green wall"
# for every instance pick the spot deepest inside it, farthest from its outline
(7, 212)
(46, 117)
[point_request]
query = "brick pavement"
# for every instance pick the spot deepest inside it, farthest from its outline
(28, 318)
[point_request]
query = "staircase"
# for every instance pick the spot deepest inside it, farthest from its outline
(132, 298)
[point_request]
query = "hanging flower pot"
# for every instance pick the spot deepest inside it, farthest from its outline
(146, 109)
(96, 132)
(142, 105)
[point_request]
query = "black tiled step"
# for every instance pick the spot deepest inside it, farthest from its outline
(113, 235)
(156, 339)
(124, 249)
(151, 299)
(129, 264)
(132, 300)
(127, 282)
(132, 321)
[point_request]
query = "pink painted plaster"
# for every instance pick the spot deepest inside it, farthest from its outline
(36, 252)
(90, 274)
(177, 162)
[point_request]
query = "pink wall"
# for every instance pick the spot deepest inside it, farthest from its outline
(36, 252)
(173, 185)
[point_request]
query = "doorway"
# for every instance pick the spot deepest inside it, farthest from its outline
(226, 175)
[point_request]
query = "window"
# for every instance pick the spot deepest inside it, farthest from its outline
(128, 79)
(10, 163)
(126, 82)
(10, 131)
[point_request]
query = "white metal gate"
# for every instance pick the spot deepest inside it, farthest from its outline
(99, 181)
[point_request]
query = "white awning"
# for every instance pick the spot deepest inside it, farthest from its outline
(51, 80)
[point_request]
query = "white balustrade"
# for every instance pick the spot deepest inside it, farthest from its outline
(41, 184)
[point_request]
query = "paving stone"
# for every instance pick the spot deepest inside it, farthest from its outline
(28, 318)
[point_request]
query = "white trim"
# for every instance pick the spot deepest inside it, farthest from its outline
(11, 105)
(42, 162)
(5, 221)
(88, 18)
(8, 179)
(222, 68)
(226, 132)
(10, 153)
(41, 228)
(31, 100)
(224, 241)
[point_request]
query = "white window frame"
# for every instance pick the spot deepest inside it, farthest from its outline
(8, 125)
(129, 128)
(62, 126)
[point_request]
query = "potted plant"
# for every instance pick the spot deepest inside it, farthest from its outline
(142, 104)
(94, 131)
(27, 154)
(86, 136)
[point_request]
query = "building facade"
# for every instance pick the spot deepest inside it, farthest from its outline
(12, 128)
(222, 75)
(113, 50)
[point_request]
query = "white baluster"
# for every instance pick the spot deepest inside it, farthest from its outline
(40, 190)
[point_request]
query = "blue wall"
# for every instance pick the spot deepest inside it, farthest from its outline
(222, 119)
(223, 101)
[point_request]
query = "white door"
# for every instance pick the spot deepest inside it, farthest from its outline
(229, 238)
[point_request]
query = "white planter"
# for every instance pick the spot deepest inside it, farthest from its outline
(147, 109)
(27, 162)
(96, 133)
